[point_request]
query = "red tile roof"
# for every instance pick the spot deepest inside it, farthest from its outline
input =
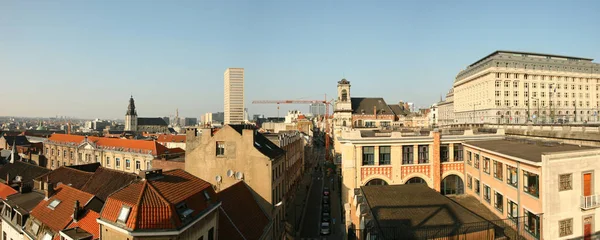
(6, 191)
(241, 207)
(153, 201)
(126, 144)
(88, 223)
(170, 138)
(59, 217)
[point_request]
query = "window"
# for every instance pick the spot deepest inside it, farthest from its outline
(515, 94)
(52, 152)
(486, 165)
(423, 154)
(565, 182)
(526, 85)
(534, 94)
(532, 223)
(138, 164)
(47, 236)
(512, 209)
(123, 214)
(531, 183)
(469, 158)
(458, 152)
(506, 102)
(534, 85)
(384, 155)
(369, 124)
(407, 154)
(499, 201)
(53, 204)
(64, 153)
(498, 170)
(543, 94)
(497, 102)
(127, 163)
(515, 84)
(497, 83)
(469, 181)
(476, 162)
(497, 93)
(542, 86)
(368, 156)
(444, 155)
(565, 227)
(108, 161)
(506, 93)
(516, 102)
(71, 155)
(507, 83)
(476, 190)
(487, 193)
(211, 234)
(512, 176)
(117, 162)
(220, 148)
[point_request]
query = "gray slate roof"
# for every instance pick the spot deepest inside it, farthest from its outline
(366, 105)
(151, 121)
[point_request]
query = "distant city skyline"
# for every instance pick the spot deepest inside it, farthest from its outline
(84, 59)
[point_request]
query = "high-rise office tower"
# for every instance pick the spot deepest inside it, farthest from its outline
(234, 95)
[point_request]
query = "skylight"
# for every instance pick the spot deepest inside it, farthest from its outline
(124, 214)
(53, 204)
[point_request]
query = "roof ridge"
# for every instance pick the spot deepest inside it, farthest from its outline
(139, 200)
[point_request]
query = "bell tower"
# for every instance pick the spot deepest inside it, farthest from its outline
(343, 106)
(131, 116)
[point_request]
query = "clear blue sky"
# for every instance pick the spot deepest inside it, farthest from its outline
(84, 58)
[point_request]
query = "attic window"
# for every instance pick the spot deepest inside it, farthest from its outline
(53, 204)
(124, 214)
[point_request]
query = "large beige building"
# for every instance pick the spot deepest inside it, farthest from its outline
(549, 189)
(446, 110)
(512, 87)
(240, 153)
(234, 95)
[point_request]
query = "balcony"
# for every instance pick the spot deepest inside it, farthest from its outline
(589, 202)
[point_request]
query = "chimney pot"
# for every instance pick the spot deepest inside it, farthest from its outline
(49, 190)
(76, 211)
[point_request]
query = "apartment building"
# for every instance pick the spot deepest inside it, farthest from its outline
(292, 143)
(514, 87)
(163, 205)
(126, 155)
(375, 157)
(240, 152)
(549, 185)
(234, 95)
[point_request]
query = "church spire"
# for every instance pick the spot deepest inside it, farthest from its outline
(131, 107)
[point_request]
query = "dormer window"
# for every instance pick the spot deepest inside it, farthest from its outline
(54, 204)
(124, 214)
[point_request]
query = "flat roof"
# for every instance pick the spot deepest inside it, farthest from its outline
(415, 206)
(529, 53)
(527, 149)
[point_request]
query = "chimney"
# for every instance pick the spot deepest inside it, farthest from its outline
(76, 211)
(49, 190)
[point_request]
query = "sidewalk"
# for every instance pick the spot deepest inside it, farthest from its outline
(295, 208)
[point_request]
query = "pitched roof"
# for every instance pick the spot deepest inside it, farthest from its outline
(62, 214)
(90, 167)
(66, 175)
(367, 105)
(6, 191)
(153, 201)
(107, 181)
(27, 172)
(170, 138)
(239, 208)
(151, 121)
(126, 144)
(261, 143)
(399, 110)
(88, 223)
(18, 140)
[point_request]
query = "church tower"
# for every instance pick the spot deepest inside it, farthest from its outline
(343, 106)
(131, 116)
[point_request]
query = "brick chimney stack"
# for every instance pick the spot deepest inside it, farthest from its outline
(76, 211)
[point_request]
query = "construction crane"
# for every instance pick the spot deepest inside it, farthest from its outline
(327, 103)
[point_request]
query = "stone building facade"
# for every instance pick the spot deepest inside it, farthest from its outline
(446, 109)
(240, 153)
(512, 87)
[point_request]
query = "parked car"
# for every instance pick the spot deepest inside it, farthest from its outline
(326, 208)
(325, 217)
(325, 199)
(326, 191)
(325, 228)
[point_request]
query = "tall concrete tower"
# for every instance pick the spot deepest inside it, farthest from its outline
(234, 95)
(131, 116)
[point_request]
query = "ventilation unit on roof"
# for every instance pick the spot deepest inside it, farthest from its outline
(230, 173)
(239, 176)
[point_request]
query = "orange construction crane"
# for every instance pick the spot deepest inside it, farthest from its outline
(327, 103)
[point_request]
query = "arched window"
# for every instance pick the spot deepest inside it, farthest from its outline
(344, 123)
(452, 184)
(376, 181)
(344, 95)
(415, 180)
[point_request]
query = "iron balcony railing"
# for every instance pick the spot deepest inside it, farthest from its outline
(589, 202)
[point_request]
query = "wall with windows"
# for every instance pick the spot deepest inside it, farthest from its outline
(509, 188)
(566, 188)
